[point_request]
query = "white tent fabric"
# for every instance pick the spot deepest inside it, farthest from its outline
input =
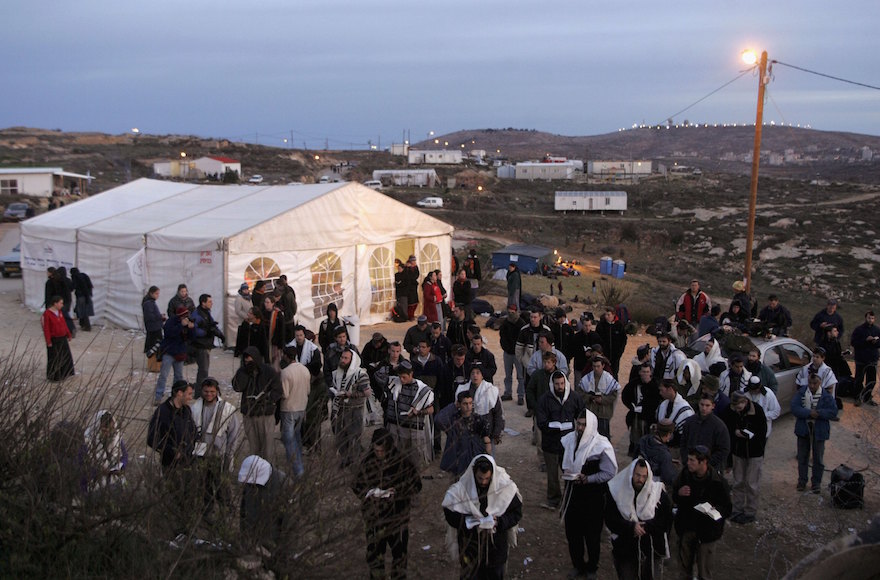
(322, 236)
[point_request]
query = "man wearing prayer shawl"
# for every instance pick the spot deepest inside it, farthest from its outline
(639, 517)
(588, 463)
(482, 509)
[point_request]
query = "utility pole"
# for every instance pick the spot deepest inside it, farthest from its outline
(756, 158)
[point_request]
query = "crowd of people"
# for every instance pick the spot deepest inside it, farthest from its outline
(698, 427)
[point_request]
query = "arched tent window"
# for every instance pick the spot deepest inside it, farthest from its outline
(262, 268)
(381, 281)
(429, 260)
(326, 283)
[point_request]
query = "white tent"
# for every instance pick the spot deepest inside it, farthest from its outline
(335, 242)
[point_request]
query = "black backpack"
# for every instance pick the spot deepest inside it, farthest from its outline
(847, 488)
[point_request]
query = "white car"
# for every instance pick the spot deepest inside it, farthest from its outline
(785, 356)
(256, 179)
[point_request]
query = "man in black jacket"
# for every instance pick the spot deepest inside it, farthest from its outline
(202, 336)
(612, 337)
(747, 425)
(641, 397)
(865, 342)
(558, 409)
(698, 531)
(385, 484)
(507, 335)
(639, 516)
(172, 431)
(708, 430)
(260, 388)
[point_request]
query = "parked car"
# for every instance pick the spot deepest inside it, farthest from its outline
(374, 184)
(785, 356)
(324, 179)
(256, 179)
(11, 263)
(430, 202)
(16, 212)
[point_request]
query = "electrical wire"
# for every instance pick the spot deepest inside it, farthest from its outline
(827, 75)
(695, 103)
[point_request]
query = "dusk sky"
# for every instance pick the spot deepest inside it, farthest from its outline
(367, 70)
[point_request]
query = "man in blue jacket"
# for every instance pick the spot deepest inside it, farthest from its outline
(814, 408)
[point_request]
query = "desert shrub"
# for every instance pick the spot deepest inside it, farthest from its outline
(613, 292)
(629, 232)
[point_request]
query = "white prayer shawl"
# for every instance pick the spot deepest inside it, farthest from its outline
(605, 386)
(309, 349)
(825, 373)
(254, 469)
(696, 375)
(423, 399)
(727, 388)
(635, 508)
(811, 401)
(675, 359)
(565, 394)
(769, 403)
(714, 357)
(346, 380)
(107, 456)
(217, 424)
(485, 397)
(462, 498)
(681, 410)
(592, 444)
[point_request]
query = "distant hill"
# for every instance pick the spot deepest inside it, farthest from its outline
(832, 155)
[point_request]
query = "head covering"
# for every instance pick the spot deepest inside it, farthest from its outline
(102, 456)
(255, 470)
(422, 319)
(665, 426)
(635, 508)
(832, 302)
(755, 383)
(706, 361)
(461, 497)
(591, 444)
(739, 286)
(181, 311)
(696, 374)
(244, 289)
(404, 367)
(378, 336)
(643, 350)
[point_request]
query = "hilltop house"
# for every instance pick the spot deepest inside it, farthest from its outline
(41, 181)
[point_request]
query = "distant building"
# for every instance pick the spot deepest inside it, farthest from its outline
(400, 149)
(506, 171)
(590, 201)
(532, 170)
(867, 154)
(619, 169)
(406, 177)
(176, 168)
(41, 181)
(434, 157)
(217, 165)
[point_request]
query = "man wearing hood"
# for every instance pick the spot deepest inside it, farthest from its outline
(588, 464)
(708, 430)
(665, 358)
(736, 377)
(350, 389)
(688, 377)
(747, 426)
(260, 388)
(482, 509)
(710, 360)
(385, 484)
(327, 329)
(641, 397)
(558, 408)
(639, 516)
(182, 298)
(408, 415)
(698, 531)
(600, 391)
(487, 401)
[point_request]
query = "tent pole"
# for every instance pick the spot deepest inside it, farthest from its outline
(224, 245)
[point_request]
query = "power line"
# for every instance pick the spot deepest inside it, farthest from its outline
(812, 72)
(695, 103)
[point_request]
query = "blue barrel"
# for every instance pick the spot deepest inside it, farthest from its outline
(605, 265)
(618, 268)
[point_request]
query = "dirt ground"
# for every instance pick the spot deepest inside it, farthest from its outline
(789, 526)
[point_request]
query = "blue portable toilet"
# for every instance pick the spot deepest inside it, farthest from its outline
(605, 265)
(618, 268)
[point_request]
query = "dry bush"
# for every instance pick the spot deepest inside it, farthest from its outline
(614, 292)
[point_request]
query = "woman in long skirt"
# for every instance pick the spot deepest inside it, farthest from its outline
(59, 360)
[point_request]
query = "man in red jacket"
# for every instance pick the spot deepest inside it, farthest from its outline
(693, 304)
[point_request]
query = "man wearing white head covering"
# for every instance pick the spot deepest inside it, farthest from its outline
(261, 485)
(487, 402)
(710, 360)
(639, 517)
(588, 463)
(483, 508)
(103, 455)
(350, 389)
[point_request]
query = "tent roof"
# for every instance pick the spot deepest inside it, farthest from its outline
(181, 211)
(524, 250)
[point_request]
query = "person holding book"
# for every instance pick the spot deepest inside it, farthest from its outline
(747, 424)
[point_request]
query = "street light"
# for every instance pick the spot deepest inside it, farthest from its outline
(750, 57)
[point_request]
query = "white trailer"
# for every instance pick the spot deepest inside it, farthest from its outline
(584, 201)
